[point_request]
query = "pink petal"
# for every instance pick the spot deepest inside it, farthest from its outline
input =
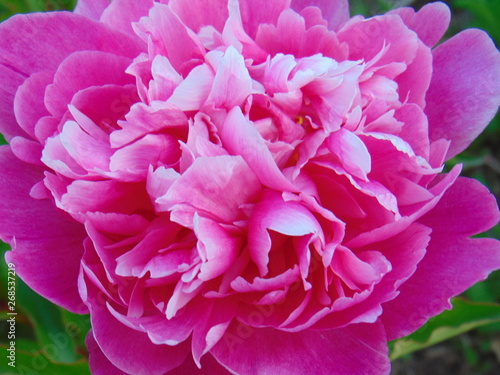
(459, 109)
(105, 105)
(209, 365)
(11, 80)
(355, 349)
(166, 31)
(272, 213)
(120, 14)
(131, 163)
(41, 41)
(467, 261)
(39, 233)
(257, 12)
(27, 150)
(351, 152)
(91, 8)
(143, 119)
(232, 83)
(208, 12)
(430, 22)
(240, 137)
(216, 247)
(216, 186)
(130, 350)
(28, 102)
(78, 72)
(99, 364)
(367, 38)
(336, 12)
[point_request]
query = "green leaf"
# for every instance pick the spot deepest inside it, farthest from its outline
(464, 316)
(33, 362)
(50, 330)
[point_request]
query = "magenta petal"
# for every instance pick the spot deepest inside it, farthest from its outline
(356, 349)
(467, 261)
(40, 41)
(336, 12)
(78, 72)
(99, 364)
(471, 103)
(430, 22)
(39, 234)
(28, 103)
(130, 350)
(209, 365)
(11, 80)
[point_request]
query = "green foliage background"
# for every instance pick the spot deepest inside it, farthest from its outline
(50, 340)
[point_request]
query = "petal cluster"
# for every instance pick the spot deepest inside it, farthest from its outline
(246, 187)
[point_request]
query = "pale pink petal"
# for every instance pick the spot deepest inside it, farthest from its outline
(351, 152)
(216, 247)
(240, 137)
(120, 14)
(232, 83)
(132, 162)
(430, 22)
(39, 232)
(166, 31)
(358, 349)
(91, 8)
(216, 186)
(272, 213)
(459, 109)
(336, 12)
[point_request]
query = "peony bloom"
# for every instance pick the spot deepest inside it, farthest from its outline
(245, 187)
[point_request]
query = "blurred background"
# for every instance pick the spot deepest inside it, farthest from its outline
(464, 341)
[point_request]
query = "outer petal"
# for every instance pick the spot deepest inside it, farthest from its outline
(336, 12)
(209, 365)
(39, 234)
(460, 108)
(130, 350)
(23, 53)
(356, 349)
(99, 364)
(430, 22)
(467, 261)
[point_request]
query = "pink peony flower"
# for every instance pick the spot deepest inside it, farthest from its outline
(245, 187)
